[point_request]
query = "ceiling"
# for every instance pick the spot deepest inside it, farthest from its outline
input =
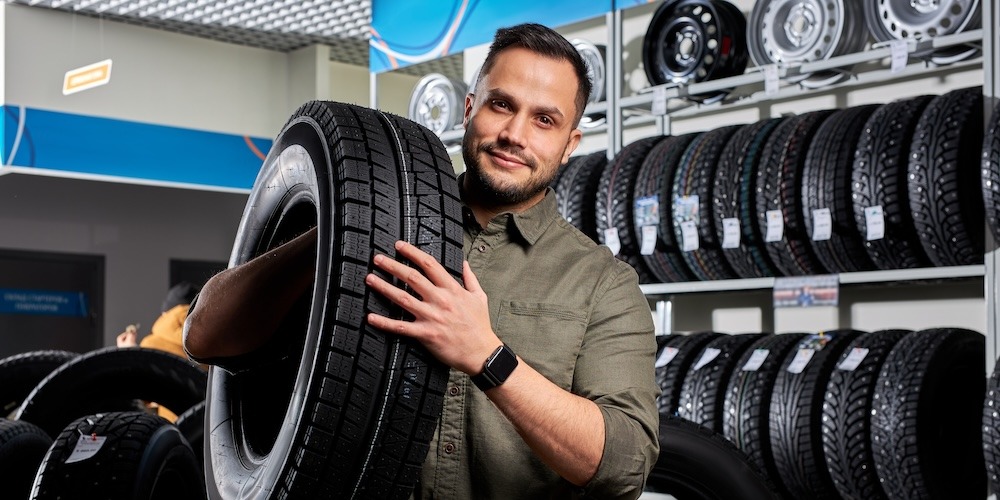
(280, 25)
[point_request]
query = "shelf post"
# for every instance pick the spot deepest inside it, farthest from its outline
(613, 81)
(991, 93)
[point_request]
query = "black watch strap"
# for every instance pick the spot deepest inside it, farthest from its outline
(496, 369)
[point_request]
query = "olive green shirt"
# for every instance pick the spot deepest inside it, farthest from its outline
(575, 313)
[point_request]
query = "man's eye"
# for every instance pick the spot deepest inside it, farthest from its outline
(500, 104)
(545, 120)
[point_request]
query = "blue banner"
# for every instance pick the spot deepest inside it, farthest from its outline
(406, 32)
(43, 302)
(81, 144)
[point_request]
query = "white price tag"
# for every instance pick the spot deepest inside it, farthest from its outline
(756, 360)
(689, 236)
(801, 360)
(770, 79)
(822, 224)
(874, 223)
(853, 360)
(730, 233)
(611, 240)
(707, 357)
(648, 240)
(659, 101)
(775, 225)
(86, 447)
(668, 355)
(899, 55)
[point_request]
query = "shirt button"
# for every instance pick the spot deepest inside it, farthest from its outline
(449, 448)
(454, 390)
(482, 248)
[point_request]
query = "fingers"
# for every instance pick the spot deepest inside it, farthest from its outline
(470, 279)
(396, 295)
(433, 269)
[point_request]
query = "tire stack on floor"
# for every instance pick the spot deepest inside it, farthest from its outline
(889, 414)
(883, 186)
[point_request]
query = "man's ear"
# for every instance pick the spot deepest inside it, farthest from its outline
(469, 99)
(574, 141)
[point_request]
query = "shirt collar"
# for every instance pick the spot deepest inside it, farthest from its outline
(530, 223)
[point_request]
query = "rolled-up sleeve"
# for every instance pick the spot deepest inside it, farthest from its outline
(615, 370)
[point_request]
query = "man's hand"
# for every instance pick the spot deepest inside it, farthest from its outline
(127, 338)
(451, 321)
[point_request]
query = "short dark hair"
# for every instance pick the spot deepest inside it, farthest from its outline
(547, 42)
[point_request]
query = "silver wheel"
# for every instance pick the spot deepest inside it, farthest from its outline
(593, 57)
(788, 32)
(918, 19)
(437, 102)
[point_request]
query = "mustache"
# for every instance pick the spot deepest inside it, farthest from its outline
(491, 147)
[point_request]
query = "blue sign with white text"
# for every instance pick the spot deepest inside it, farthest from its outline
(43, 302)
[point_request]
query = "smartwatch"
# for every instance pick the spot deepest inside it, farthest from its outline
(497, 368)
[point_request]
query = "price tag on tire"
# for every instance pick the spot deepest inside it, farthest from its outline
(775, 226)
(874, 223)
(800, 360)
(730, 233)
(756, 360)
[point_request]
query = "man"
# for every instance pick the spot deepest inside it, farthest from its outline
(552, 329)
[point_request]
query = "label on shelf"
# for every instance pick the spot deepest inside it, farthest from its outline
(775, 226)
(86, 447)
(770, 79)
(853, 360)
(659, 107)
(756, 360)
(689, 236)
(648, 240)
(899, 55)
(822, 224)
(874, 223)
(806, 291)
(800, 360)
(611, 240)
(668, 355)
(730, 232)
(707, 357)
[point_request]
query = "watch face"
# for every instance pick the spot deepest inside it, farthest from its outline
(502, 364)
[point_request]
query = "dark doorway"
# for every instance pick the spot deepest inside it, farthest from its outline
(50, 301)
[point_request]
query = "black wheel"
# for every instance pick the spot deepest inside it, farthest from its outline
(880, 184)
(22, 447)
(693, 204)
(779, 185)
(653, 197)
(991, 429)
(945, 191)
(797, 414)
(826, 186)
(696, 463)
(847, 409)
(991, 173)
(191, 423)
(691, 41)
(20, 373)
(926, 416)
(703, 393)
(109, 379)
(576, 191)
(673, 362)
(748, 399)
(615, 206)
(344, 395)
(735, 198)
(119, 456)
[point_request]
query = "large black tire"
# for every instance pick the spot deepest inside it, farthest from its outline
(703, 393)
(945, 190)
(928, 409)
(847, 412)
(991, 173)
(142, 457)
(576, 191)
(22, 447)
(107, 380)
(797, 415)
(350, 410)
(991, 429)
(735, 197)
(654, 187)
(779, 184)
(826, 184)
(879, 180)
(615, 206)
(670, 377)
(748, 399)
(695, 177)
(696, 463)
(20, 373)
(191, 423)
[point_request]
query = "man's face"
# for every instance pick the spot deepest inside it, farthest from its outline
(519, 127)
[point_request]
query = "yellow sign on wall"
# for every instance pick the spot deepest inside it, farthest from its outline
(87, 77)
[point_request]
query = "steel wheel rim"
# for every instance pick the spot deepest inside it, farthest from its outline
(917, 19)
(434, 103)
(593, 58)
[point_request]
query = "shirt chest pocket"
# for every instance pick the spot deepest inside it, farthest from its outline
(547, 336)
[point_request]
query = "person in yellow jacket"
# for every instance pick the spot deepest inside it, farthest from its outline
(167, 333)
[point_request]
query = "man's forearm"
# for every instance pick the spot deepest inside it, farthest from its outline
(566, 431)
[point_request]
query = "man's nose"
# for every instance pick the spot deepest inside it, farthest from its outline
(515, 131)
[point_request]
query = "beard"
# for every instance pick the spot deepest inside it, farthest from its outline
(488, 188)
